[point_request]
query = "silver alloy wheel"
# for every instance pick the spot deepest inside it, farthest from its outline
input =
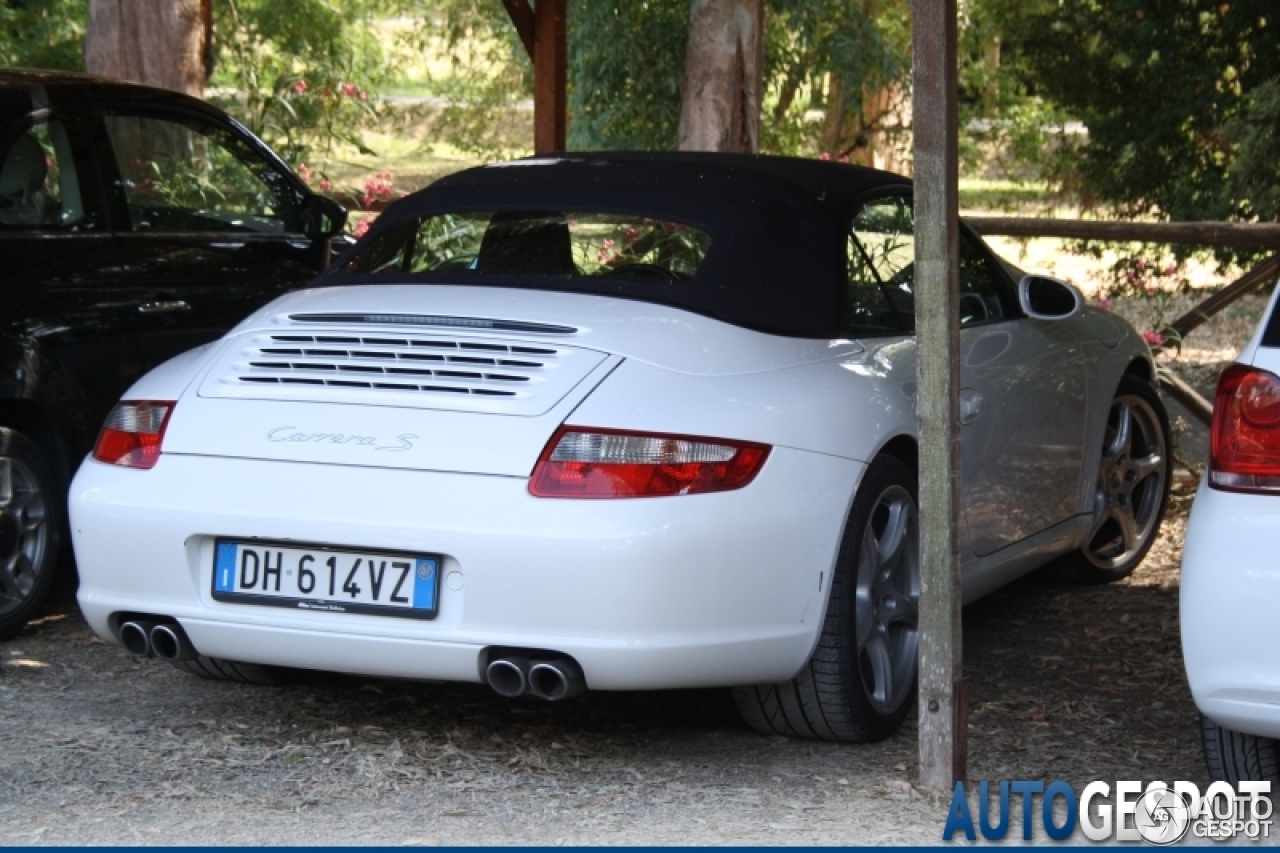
(887, 600)
(24, 533)
(1131, 484)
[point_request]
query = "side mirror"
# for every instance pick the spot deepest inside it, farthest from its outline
(323, 218)
(1047, 298)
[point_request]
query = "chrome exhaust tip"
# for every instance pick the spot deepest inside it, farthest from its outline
(135, 636)
(556, 679)
(170, 643)
(509, 677)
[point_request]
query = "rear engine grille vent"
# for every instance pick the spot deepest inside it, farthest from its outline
(386, 363)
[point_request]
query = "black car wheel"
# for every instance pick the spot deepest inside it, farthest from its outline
(861, 680)
(1235, 757)
(30, 522)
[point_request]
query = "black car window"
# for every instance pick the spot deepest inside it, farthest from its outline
(881, 258)
(39, 183)
(186, 175)
(539, 244)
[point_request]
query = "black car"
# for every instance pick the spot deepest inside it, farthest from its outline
(135, 223)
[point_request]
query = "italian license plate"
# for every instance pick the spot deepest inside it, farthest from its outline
(317, 577)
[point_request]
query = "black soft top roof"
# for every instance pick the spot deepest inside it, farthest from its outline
(777, 224)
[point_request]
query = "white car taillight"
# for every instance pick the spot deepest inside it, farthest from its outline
(133, 433)
(1245, 443)
(602, 463)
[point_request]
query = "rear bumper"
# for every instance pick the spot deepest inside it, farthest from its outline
(700, 590)
(1230, 596)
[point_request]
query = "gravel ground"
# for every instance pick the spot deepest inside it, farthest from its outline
(1067, 682)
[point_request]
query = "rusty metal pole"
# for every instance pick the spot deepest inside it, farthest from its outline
(942, 705)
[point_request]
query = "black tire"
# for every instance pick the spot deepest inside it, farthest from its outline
(1235, 757)
(220, 669)
(840, 694)
(31, 525)
(1133, 480)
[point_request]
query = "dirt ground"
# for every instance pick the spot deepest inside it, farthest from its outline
(1066, 682)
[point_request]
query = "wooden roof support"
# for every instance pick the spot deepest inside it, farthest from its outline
(542, 31)
(942, 705)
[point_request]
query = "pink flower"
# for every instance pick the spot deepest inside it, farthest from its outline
(377, 188)
(363, 96)
(630, 235)
(299, 87)
(1104, 304)
(362, 227)
(326, 185)
(304, 172)
(1140, 265)
(844, 158)
(607, 243)
(824, 156)
(1155, 339)
(1152, 290)
(1170, 270)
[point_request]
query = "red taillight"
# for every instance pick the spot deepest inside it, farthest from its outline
(1245, 447)
(602, 463)
(133, 433)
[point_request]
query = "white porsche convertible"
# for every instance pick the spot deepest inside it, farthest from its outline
(613, 422)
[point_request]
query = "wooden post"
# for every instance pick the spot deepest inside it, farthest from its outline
(542, 32)
(550, 109)
(942, 708)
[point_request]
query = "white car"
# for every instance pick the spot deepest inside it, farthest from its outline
(1230, 579)
(619, 422)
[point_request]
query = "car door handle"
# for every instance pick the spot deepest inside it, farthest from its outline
(970, 405)
(163, 307)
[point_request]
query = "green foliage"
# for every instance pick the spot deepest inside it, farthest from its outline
(1006, 127)
(43, 33)
(626, 60)
(1171, 91)
(300, 70)
(490, 75)
(1253, 178)
(839, 53)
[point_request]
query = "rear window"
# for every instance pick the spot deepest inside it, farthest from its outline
(538, 243)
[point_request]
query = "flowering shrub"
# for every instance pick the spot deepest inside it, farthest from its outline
(1150, 276)
(377, 188)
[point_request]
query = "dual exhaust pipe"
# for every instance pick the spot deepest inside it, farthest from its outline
(146, 638)
(510, 676)
(552, 679)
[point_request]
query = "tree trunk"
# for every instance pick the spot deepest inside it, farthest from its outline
(723, 77)
(163, 43)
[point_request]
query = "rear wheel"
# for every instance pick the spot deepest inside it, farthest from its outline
(1132, 489)
(229, 670)
(1234, 757)
(30, 523)
(861, 679)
